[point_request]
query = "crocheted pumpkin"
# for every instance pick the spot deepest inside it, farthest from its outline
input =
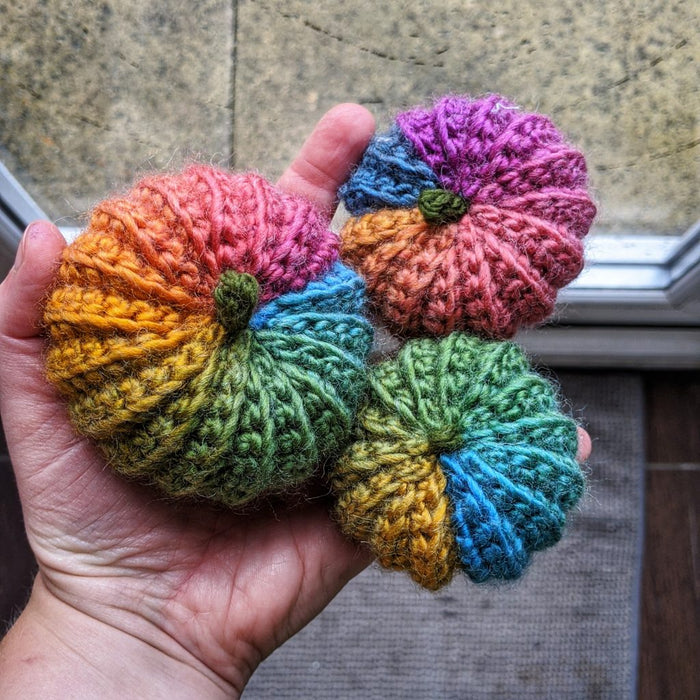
(467, 216)
(462, 460)
(205, 334)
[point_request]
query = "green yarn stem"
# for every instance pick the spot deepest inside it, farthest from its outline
(235, 297)
(445, 439)
(442, 206)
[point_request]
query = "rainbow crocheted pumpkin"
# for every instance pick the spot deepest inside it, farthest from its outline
(467, 216)
(462, 461)
(205, 334)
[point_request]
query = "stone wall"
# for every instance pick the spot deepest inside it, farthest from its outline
(94, 93)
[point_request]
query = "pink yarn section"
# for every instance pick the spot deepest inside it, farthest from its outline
(213, 220)
(493, 272)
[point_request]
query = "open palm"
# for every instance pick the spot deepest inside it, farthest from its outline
(221, 588)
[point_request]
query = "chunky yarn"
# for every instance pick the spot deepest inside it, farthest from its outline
(467, 215)
(461, 461)
(204, 333)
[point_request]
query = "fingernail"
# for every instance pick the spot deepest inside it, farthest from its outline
(31, 231)
(585, 446)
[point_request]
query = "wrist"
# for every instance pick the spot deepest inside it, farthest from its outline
(57, 650)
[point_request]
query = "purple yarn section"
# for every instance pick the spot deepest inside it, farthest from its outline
(489, 151)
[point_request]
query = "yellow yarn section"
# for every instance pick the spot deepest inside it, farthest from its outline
(125, 393)
(395, 502)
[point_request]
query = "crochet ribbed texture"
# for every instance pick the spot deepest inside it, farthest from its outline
(205, 334)
(468, 215)
(462, 460)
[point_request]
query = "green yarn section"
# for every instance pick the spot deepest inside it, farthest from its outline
(442, 206)
(267, 408)
(458, 391)
(235, 298)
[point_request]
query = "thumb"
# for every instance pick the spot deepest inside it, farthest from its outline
(21, 295)
(26, 283)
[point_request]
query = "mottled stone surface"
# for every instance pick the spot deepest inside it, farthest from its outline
(93, 93)
(619, 78)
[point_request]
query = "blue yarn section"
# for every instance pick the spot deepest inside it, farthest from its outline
(340, 290)
(390, 176)
(327, 309)
(506, 504)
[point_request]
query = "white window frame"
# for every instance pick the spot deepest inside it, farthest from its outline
(636, 305)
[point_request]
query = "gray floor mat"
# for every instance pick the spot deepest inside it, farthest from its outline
(566, 630)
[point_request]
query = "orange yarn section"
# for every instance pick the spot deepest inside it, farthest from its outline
(495, 270)
(117, 332)
(396, 503)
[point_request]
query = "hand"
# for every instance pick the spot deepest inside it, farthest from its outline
(133, 592)
(136, 597)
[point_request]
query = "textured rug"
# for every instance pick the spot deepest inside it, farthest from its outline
(566, 630)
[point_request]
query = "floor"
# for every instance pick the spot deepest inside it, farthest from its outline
(670, 630)
(670, 597)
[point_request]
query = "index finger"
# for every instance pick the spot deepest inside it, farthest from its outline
(329, 154)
